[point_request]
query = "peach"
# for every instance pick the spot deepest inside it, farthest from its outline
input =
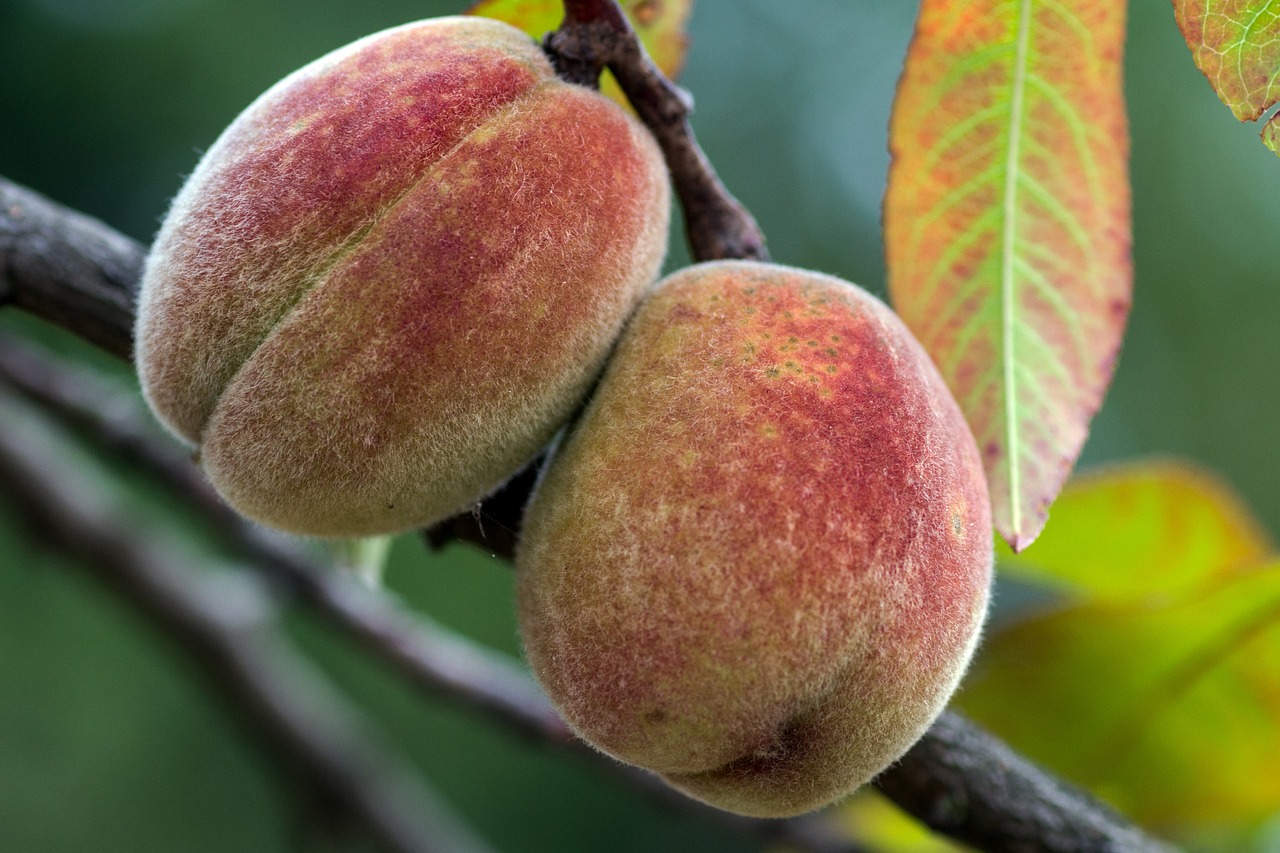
(759, 563)
(395, 275)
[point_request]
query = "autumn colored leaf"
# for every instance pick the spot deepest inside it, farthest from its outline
(1168, 710)
(1271, 134)
(1143, 531)
(1007, 227)
(659, 23)
(1236, 43)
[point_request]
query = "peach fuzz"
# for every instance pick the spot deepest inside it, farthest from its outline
(759, 563)
(395, 275)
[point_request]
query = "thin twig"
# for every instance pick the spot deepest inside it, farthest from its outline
(227, 625)
(595, 34)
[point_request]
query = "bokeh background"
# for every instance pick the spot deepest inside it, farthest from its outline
(107, 740)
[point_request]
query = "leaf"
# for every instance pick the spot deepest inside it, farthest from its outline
(1271, 134)
(1143, 531)
(1167, 710)
(659, 23)
(1007, 227)
(877, 824)
(535, 17)
(1236, 43)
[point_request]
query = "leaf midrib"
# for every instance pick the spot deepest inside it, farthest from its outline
(1018, 86)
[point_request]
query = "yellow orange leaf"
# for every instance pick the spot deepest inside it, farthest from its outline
(1143, 531)
(1007, 227)
(870, 819)
(1167, 710)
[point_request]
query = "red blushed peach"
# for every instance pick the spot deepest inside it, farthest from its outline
(394, 276)
(759, 563)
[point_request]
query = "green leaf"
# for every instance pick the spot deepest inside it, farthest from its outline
(660, 24)
(535, 17)
(1143, 531)
(877, 824)
(1167, 710)
(1007, 227)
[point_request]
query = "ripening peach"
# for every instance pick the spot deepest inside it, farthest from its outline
(759, 563)
(394, 276)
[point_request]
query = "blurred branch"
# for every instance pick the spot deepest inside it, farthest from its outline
(596, 34)
(430, 654)
(427, 654)
(226, 624)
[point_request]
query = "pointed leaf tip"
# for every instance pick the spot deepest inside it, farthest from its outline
(1144, 530)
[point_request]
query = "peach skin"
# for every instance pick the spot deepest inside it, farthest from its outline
(394, 276)
(759, 563)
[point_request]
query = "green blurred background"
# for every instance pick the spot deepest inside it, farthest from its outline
(108, 742)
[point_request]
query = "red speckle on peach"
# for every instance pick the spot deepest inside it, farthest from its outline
(759, 563)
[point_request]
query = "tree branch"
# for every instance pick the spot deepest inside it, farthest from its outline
(68, 268)
(227, 626)
(984, 787)
(963, 782)
(595, 34)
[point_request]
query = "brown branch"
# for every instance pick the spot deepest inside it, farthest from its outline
(68, 268)
(595, 34)
(227, 626)
(964, 782)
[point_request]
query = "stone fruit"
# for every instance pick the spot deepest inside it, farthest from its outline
(759, 563)
(395, 275)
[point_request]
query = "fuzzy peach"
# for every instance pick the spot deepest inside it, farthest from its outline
(394, 276)
(760, 561)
